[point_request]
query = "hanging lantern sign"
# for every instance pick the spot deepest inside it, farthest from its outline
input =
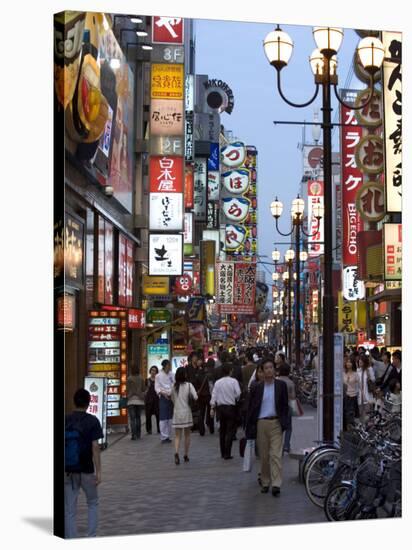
(233, 154)
(235, 236)
(236, 181)
(236, 209)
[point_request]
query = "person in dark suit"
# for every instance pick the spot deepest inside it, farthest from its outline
(267, 419)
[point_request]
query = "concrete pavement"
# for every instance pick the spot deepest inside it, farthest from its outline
(143, 491)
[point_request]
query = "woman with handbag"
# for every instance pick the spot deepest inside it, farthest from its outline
(367, 386)
(351, 388)
(284, 372)
(182, 393)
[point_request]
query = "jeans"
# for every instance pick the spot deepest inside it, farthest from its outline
(227, 419)
(72, 484)
(135, 412)
(152, 409)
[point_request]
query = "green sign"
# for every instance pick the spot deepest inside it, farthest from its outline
(158, 316)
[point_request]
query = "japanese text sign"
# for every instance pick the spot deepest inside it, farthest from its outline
(166, 117)
(167, 30)
(236, 287)
(166, 174)
(393, 251)
(167, 81)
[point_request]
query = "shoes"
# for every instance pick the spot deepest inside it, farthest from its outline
(227, 457)
(166, 440)
(186, 458)
(177, 459)
(275, 491)
(149, 433)
(259, 480)
(287, 450)
(264, 490)
(133, 437)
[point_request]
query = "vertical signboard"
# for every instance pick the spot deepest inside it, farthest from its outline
(352, 179)
(315, 228)
(107, 357)
(393, 251)
(98, 402)
(167, 30)
(207, 267)
(108, 263)
(236, 287)
(166, 193)
(200, 190)
(392, 93)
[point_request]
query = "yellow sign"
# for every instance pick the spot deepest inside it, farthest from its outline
(167, 81)
(346, 315)
(155, 286)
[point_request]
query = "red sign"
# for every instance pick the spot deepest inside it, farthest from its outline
(166, 174)
(183, 285)
(137, 318)
(189, 186)
(122, 270)
(167, 30)
(66, 312)
(352, 179)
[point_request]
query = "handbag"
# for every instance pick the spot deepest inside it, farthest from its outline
(295, 407)
(371, 386)
(122, 402)
(248, 456)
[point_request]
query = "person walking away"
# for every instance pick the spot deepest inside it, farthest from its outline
(351, 389)
(267, 419)
(82, 464)
(151, 400)
(182, 421)
(377, 364)
(203, 392)
(225, 394)
(366, 382)
(284, 375)
(396, 372)
(395, 395)
(135, 389)
(383, 382)
(163, 386)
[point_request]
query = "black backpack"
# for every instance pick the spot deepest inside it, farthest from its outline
(73, 446)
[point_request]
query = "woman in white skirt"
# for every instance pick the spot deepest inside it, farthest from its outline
(182, 414)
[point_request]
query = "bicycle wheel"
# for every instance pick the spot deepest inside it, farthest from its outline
(319, 474)
(337, 502)
(310, 456)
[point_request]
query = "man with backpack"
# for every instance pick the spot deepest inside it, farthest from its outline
(82, 463)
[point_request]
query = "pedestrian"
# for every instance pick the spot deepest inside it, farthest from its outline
(135, 389)
(377, 364)
(182, 392)
(395, 395)
(203, 392)
(151, 400)
(284, 375)
(247, 371)
(383, 381)
(351, 388)
(163, 386)
(266, 420)
(82, 464)
(396, 372)
(257, 376)
(225, 394)
(366, 386)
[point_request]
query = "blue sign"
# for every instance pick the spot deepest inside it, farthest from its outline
(213, 160)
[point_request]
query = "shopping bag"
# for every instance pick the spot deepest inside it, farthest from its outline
(249, 455)
(295, 407)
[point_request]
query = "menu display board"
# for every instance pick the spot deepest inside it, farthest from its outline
(97, 387)
(107, 357)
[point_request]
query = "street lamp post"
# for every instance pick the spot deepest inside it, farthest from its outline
(278, 49)
(297, 210)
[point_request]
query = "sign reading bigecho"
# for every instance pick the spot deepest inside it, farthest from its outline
(167, 30)
(352, 179)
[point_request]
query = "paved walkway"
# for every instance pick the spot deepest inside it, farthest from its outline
(143, 491)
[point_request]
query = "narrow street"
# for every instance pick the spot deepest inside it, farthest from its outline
(143, 491)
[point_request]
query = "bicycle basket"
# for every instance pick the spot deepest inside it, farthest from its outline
(369, 481)
(352, 447)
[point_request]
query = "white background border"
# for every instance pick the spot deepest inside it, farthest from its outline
(26, 273)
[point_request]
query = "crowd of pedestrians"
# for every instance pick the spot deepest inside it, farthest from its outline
(250, 390)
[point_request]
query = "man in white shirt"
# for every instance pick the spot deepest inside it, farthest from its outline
(225, 394)
(163, 387)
